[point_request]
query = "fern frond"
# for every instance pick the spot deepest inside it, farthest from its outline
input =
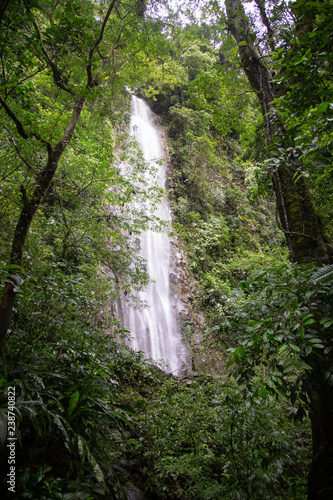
(323, 275)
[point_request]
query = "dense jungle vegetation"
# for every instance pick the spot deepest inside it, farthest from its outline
(243, 92)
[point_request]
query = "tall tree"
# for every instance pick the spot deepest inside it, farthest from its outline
(305, 233)
(76, 47)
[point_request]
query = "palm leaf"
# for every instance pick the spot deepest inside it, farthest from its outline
(323, 275)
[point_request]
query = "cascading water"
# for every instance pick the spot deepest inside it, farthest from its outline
(154, 329)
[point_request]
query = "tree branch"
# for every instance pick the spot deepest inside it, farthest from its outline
(115, 45)
(100, 38)
(265, 20)
(92, 80)
(26, 78)
(3, 8)
(21, 129)
(12, 140)
(17, 122)
(9, 173)
(3, 74)
(58, 80)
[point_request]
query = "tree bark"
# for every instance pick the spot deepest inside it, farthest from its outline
(320, 478)
(307, 241)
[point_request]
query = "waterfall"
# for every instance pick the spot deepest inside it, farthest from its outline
(154, 329)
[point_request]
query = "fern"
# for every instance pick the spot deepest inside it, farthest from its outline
(323, 275)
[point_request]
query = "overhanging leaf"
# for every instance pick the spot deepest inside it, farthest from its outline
(72, 403)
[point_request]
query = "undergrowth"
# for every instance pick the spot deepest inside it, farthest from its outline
(96, 419)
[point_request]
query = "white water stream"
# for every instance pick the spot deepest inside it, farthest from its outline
(154, 329)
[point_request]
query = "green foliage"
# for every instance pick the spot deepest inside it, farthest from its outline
(305, 108)
(86, 406)
(224, 249)
(211, 116)
(196, 61)
(203, 439)
(61, 357)
(65, 400)
(283, 329)
(323, 275)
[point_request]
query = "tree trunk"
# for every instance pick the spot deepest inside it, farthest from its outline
(320, 479)
(307, 241)
(6, 307)
(31, 205)
(305, 234)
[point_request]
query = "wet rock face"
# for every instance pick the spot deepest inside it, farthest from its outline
(132, 470)
(135, 494)
(191, 321)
